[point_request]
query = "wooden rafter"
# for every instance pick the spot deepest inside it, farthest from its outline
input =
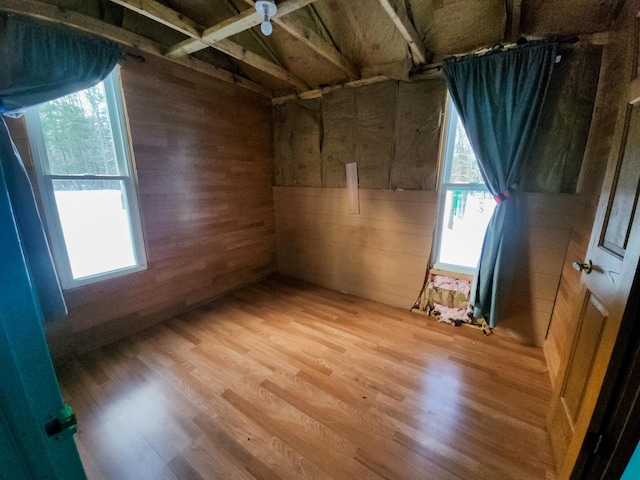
(231, 26)
(429, 71)
(241, 22)
(352, 21)
(401, 20)
(257, 37)
(634, 91)
(240, 53)
(93, 26)
(311, 39)
(512, 27)
(162, 14)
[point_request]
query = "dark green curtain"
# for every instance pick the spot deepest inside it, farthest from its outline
(40, 63)
(499, 97)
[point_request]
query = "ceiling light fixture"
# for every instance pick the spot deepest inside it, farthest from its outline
(266, 8)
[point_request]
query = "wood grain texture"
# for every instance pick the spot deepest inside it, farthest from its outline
(606, 293)
(400, 18)
(229, 27)
(611, 95)
(287, 380)
(553, 16)
(86, 24)
(205, 198)
(382, 253)
(299, 30)
(546, 222)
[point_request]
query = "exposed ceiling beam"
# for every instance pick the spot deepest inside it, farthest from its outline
(257, 37)
(231, 26)
(240, 53)
(634, 91)
(154, 10)
(344, 7)
(430, 71)
(241, 22)
(163, 14)
(599, 38)
(311, 39)
(400, 19)
(512, 27)
(83, 23)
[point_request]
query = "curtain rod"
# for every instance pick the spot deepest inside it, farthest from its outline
(499, 46)
(134, 57)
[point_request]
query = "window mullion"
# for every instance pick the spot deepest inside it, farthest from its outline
(449, 145)
(135, 223)
(116, 114)
(86, 177)
(465, 186)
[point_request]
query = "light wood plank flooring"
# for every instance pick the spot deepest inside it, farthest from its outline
(288, 380)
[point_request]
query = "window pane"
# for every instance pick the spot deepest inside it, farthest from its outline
(77, 134)
(466, 215)
(95, 224)
(464, 166)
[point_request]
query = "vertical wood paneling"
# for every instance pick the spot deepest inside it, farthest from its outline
(203, 154)
(614, 76)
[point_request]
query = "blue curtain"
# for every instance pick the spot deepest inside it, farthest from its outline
(499, 97)
(40, 63)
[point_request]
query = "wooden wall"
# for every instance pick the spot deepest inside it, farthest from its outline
(546, 221)
(203, 152)
(382, 253)
(614, 78)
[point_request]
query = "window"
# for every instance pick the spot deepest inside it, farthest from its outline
(82, 159)
(465, 205)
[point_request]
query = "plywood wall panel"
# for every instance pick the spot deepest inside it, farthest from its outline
(203, 153)
(546, 225)
(380, 254)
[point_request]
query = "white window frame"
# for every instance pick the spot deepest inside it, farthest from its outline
(124, 156)
(447, 145)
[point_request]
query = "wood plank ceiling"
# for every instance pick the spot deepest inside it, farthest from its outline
(319, 44)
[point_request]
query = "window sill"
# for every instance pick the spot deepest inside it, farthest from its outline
(84, 281)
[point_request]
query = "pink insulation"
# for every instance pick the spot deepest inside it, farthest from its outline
(450, 283)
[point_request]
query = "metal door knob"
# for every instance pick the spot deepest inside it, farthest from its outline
(583, 267)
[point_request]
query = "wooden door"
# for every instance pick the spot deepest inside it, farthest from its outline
(616, 421)
(614, 250)
(33, 440)
(11, 459)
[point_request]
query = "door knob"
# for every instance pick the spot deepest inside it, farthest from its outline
(583, 267)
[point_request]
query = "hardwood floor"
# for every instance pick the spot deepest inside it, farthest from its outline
(287, 380)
